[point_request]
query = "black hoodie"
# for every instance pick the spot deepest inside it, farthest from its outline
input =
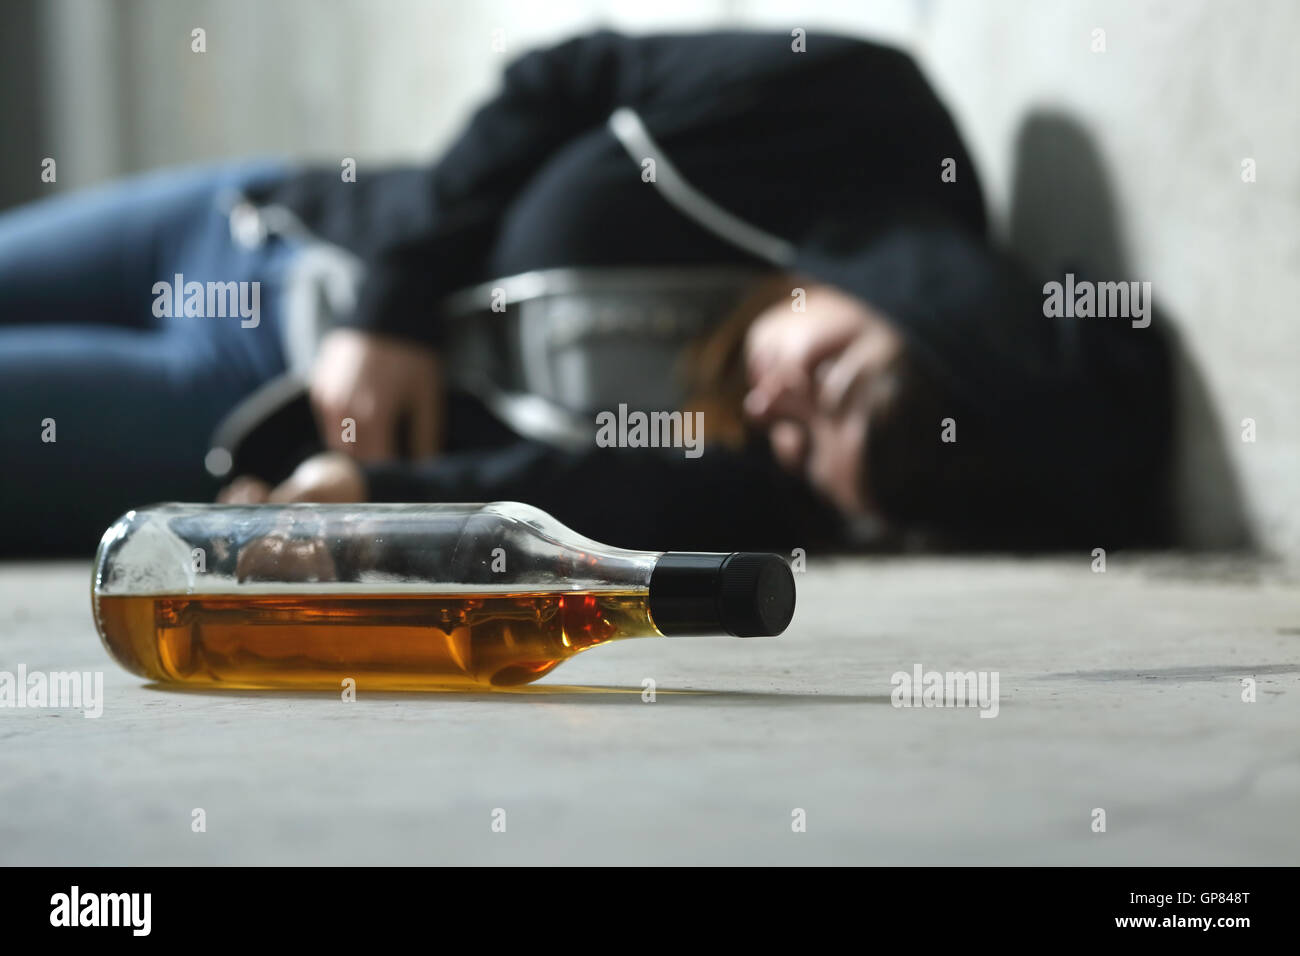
(837, 148)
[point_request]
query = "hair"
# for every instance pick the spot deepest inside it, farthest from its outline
(1098, 480)
(951, 493)
(714, 367)
(984, 490)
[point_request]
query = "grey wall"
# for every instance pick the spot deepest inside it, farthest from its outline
(22, 120)
(1132, 158)
(1128, 160)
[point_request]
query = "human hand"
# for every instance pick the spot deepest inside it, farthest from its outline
(386, 386)
(327, 477)
(801, 362)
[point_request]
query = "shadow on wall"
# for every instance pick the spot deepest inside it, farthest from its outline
(1063, 219)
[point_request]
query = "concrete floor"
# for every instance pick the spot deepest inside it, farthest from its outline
(1119, 691)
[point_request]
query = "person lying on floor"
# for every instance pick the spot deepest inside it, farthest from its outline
(787, 246)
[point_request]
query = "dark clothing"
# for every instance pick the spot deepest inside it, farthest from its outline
(838, 151)
(847, 136)
(648, 498)
(848, 132)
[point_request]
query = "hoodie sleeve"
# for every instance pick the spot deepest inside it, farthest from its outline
(548, 96)
(653, 499)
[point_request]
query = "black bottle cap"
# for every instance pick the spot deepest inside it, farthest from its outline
(743, 594)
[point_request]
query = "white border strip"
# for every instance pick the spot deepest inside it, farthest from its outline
(628, 129)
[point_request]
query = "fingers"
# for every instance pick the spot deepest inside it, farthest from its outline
(351, 395)
(277, 557)
(365, 386)
(335, 380)
(362, 423)
(426, 423)
(791, 347)
(244, 490)
(372, 434)
(426, 411)
(789, 442)
(782, 393)
(329, 477)
(843, 375)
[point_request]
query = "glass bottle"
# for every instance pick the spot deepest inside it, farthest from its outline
(399, 596)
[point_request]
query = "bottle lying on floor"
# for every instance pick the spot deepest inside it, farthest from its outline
(400, 597)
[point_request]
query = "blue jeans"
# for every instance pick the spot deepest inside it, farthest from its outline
(129, 398)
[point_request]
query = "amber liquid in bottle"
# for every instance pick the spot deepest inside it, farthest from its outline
(382, 641)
